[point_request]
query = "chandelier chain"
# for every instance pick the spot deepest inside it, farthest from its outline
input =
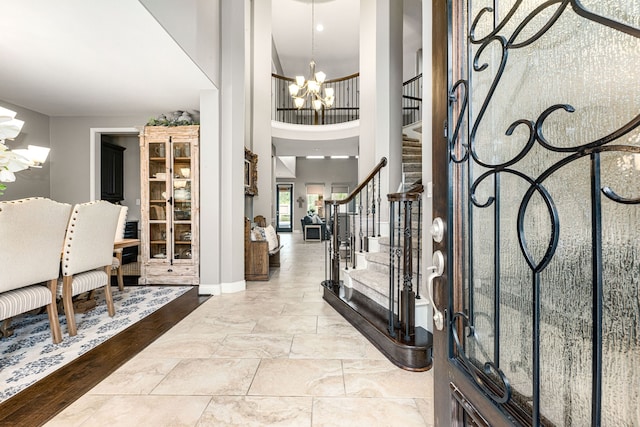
(313, 30)
(312, 88)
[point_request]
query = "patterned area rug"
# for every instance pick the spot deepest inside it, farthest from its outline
(29, 354)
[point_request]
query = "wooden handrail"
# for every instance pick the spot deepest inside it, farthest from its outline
(354, 193)
(413, 193)
(413, 79)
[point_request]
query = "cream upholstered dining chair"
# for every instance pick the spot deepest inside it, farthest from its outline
(116, 263)
(31, 236)
(87, 255)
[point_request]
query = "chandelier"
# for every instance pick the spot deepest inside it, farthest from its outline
(311, 88)
(12, 161)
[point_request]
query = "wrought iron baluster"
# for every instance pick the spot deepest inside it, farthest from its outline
(398, 253)
(379, 202)
(352, 242)
(360, 233)
(419, 254)
(373, 207)
(367, 222)
(409, 303)
(392, 266)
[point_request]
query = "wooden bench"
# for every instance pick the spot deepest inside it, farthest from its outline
(257, 257)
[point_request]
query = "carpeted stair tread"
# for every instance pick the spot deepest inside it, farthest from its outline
(378, 258)
(379, 263)
(412, 176)
(412, 167)
(407, 149)
(373, 284)
(410, 139)
(412, 158)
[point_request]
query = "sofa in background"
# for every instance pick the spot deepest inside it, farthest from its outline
(316, 231)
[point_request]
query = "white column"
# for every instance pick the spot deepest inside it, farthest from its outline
(210, 190)
(367, 154)
(263, 203)
(228, 218)
(389, 88)
(381, 93)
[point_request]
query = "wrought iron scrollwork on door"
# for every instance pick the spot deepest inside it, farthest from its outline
(530, 134)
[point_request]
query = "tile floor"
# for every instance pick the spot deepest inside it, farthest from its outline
(274, 355)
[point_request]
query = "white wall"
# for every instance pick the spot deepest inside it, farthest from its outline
(70, 152)
(195, 29)
(32, 182)
(315, 171)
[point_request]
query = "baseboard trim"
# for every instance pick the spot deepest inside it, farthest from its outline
(222, 288)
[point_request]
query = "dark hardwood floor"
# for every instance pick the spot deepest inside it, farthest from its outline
(40, 402)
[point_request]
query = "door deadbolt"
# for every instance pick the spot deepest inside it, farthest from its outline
(437, 230)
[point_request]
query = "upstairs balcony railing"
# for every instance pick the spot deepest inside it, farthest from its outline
(345, 109)
(412, 100)
(347, 102)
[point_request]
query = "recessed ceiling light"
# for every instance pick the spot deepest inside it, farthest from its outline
(315, 157)
(320, 27)
(339, 157)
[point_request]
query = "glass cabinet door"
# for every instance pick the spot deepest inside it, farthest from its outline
(182, 208)
(158, 225)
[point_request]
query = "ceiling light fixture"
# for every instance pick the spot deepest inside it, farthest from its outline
(12, 161)
(311, 88)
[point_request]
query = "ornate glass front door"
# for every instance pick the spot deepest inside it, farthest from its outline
(541, 291)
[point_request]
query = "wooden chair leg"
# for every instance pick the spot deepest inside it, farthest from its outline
(67, 300)
(107, 293)
(5, 329)
(119, 272)
(52, 311)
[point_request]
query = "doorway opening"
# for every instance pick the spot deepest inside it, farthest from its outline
(284, 210)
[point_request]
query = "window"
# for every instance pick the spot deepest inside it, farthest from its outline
(339, 191)
(315, 199)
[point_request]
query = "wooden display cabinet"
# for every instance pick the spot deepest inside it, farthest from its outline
(169, 158)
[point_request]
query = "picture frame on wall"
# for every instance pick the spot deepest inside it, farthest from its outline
(247, 173)
(250, 173)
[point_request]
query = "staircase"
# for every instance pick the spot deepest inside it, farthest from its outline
(362, 300)
(372, 279)
(376, 297)
(411, 159)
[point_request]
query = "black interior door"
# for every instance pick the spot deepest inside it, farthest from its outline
(537, 178)
(111, 171)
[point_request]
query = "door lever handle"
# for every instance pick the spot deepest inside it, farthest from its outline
(437, 270)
